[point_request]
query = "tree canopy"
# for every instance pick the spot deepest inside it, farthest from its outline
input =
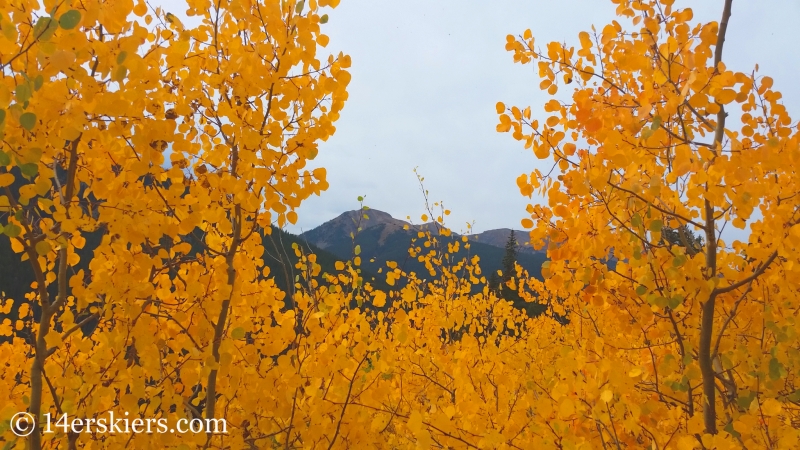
(179, 147)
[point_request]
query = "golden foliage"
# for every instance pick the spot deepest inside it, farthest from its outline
(701, 337)
(180, 145)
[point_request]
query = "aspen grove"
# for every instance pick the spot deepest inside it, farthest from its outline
(177, 147)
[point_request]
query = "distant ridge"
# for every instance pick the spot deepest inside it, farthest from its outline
(349, 222)
(383, 238)
(498, 238)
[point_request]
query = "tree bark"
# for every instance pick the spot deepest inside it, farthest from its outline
(48, 309)
(707, 321)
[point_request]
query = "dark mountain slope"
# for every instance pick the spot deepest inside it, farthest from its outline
(16, 276)
(383, 238)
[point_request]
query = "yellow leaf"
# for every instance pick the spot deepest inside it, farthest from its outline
(62, 59)
(725, 96)
(42, 186)
(53, 339)
(129, 403)
(541, 151)
(687, 443)
(566, 409)
(6, 179)
(606, 396)
(379, 299)
(586, 41)
(140, 9)
(17, 246)
(771, 407)
(415, 422)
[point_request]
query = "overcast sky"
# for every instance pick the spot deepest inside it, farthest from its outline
(425, 79)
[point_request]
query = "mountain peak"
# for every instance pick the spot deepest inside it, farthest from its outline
(348, 222)
(383, 238)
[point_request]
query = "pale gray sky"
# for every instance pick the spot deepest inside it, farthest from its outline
(427, 75)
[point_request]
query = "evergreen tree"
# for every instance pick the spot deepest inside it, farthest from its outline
(682, 236)
(509, 271)
(494, 282)
(510, 258)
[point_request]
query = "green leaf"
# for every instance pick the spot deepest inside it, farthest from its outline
(38, 82)
(678, 261)
(641, 290)
(636, 220)
(237, 333)
(360, 198)
(121, 57)
(2, 116)
(12, 230)
(44, 28)
(27, 120)
(299, 8)
(33, 155)
(656, 226)
(70, 19)
(43, 248)
(775, 369)
(656, 123)
(4, 158)
(22, 92)
(29, 170)
(120, 73)
(744, 401)
(674, 302)
(357, 250)
(661, 302)
(731, 431)
(323, 19)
